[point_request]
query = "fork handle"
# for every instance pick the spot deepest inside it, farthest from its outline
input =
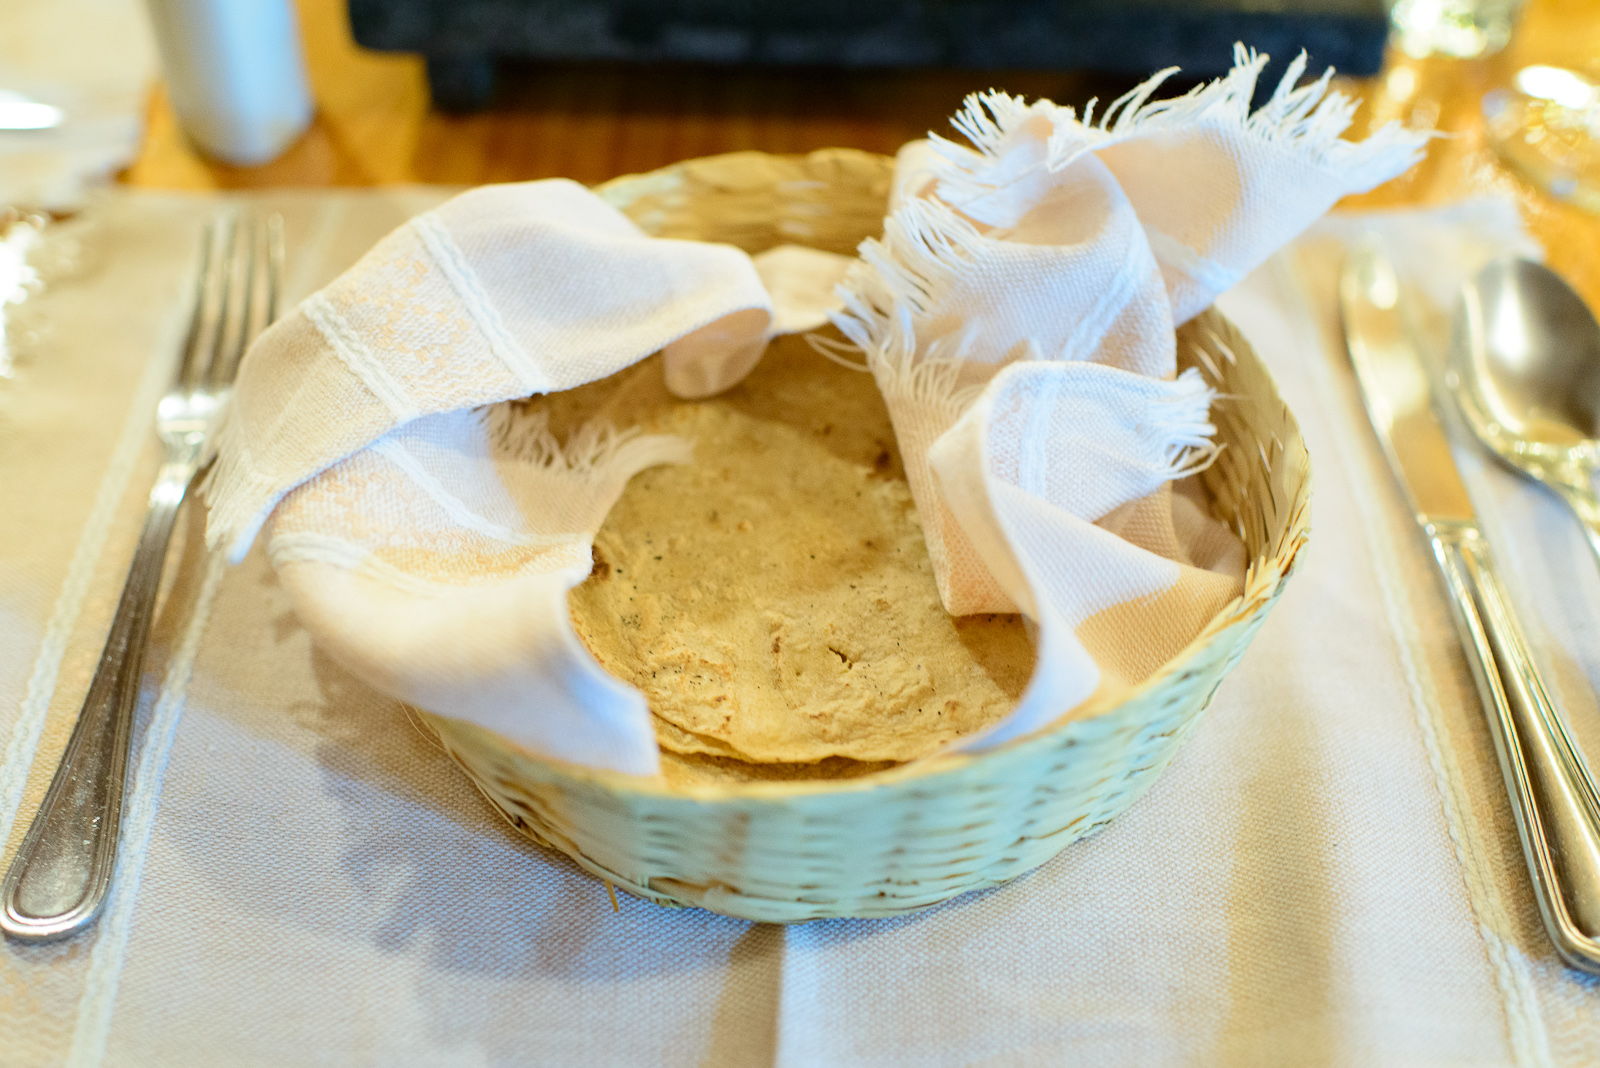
(58, 879)
(1552, 793)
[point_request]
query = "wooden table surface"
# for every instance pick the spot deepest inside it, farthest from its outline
(594, 121)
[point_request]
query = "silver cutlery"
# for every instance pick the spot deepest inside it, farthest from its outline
(1552, 794)
(1525, 369)
(62, 871)
(19, 112)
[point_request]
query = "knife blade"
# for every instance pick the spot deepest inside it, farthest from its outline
(1552, 794)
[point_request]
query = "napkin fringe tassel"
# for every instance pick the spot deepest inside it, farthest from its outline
(926, 249)
(600, 457)
(238, 497)
(931, 386)
(596, 451)
(1181, 423)
(1306, 121)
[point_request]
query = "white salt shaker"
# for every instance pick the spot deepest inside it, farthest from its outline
(236, 74)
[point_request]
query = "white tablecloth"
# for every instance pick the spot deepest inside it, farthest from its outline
(1327, 875)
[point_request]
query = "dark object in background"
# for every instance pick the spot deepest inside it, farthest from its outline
(463, 39)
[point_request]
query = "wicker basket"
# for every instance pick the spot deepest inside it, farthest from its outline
(911, 837)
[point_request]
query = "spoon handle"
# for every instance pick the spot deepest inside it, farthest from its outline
(1552, 794)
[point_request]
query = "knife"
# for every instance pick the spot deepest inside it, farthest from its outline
(1552, 794)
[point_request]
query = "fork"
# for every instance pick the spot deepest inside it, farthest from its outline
(60, 875)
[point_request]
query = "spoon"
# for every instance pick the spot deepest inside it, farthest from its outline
(1525, 370)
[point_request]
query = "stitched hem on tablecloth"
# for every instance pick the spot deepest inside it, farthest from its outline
(1529, 1040)
(139, 816)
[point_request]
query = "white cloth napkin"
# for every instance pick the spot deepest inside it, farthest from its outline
(1019, 316)
(1016, 320)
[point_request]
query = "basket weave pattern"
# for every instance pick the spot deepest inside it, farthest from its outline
(914, 836)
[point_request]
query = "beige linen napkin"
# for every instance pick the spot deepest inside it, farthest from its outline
(1019, 316)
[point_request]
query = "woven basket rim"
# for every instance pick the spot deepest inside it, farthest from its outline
(1263, 580)
(1235, 611)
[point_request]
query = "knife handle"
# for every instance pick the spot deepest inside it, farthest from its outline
(1552, 793)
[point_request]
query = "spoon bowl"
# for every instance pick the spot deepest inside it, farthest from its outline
(1525, 371)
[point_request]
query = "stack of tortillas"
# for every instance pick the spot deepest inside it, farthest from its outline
(778, 565)
(774, 600)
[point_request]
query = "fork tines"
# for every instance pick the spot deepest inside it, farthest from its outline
(236, 296)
